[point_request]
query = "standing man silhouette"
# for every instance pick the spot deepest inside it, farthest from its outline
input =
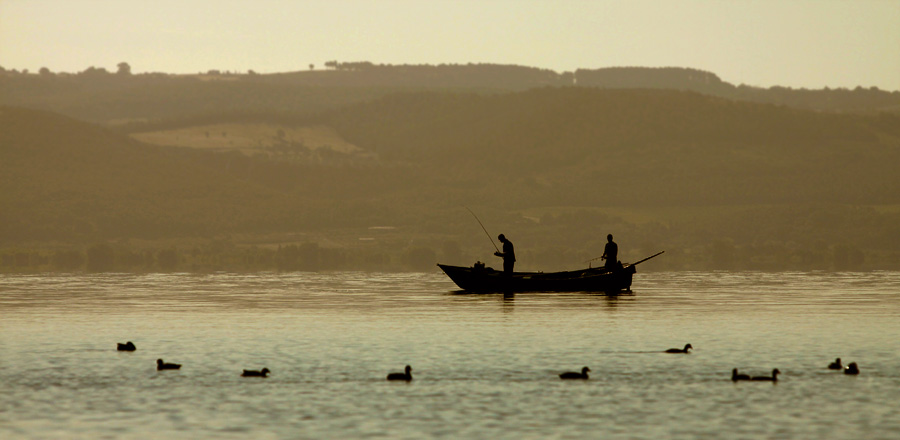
(610, 253)
(508, 255)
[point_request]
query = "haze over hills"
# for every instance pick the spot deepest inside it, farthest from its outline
(375, 176)
(642, 147)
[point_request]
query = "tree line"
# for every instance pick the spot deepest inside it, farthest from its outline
(98, 95)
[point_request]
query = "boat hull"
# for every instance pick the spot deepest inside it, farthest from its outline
(485, 279)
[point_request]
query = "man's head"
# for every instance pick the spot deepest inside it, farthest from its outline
(501, 237)
(609, 237)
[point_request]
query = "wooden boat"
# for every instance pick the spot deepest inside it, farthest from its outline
(479, 278)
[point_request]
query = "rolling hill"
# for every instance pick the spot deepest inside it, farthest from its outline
(719, 183)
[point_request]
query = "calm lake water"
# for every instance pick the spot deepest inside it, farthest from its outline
(485, 366)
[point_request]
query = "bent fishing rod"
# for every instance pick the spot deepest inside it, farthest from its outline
(483, 228)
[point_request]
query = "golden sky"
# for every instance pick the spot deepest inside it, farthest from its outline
(802, 43)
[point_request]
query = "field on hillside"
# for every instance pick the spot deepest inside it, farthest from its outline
(252, 138)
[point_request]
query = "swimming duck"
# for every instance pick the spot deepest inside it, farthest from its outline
(772, 378)
(128, 346)
(253, 373)
(160, 365)
(574, 375)
(680, 350)
(407, 376)
(836, 365)
(736, 377)
(851, 368)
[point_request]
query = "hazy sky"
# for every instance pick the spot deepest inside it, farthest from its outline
(804, 43)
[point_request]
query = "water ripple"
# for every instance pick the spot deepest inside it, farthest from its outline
(485, 366)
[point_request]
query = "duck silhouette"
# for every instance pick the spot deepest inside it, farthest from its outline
(574, 375)
(128, 346)
(851, 368)
(406, 375)
(680, 350)
(254, 373)
(772, 378)
(836, 365)
(160, 365)
(736, 377)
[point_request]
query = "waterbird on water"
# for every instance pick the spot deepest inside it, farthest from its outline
(736, 377)
(160, 365)
(851, 368)
(406, 375)
(680, 350)
(772, 378)
(128, 346)
(836, 365)
(253, 373)
(574, 375)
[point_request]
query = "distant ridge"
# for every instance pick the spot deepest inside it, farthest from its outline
(100, 96)
(675, 78)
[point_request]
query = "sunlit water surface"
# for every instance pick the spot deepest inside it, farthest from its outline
(485, 366)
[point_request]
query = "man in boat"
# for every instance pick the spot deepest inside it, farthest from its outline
(610, 253)
(508, 255)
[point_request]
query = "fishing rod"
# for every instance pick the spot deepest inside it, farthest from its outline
(483, 228)
(591, 261)
(632, 264)
(645, 259)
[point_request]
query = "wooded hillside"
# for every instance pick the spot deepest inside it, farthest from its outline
(97, 95)
(715, 182)
(634, 147)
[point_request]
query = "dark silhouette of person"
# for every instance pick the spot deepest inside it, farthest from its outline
(610, 253)
(508, 254)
